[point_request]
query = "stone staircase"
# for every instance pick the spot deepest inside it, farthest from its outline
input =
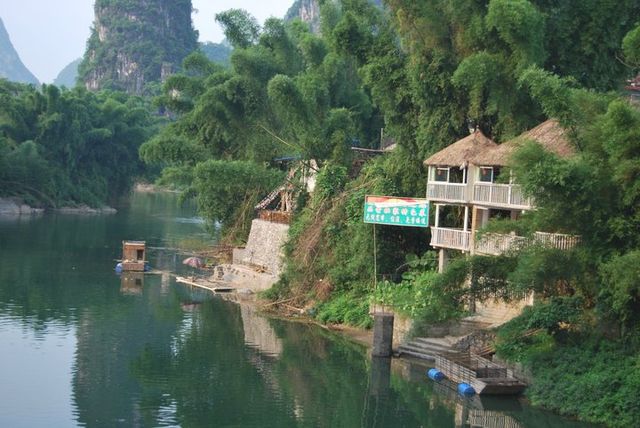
(426, 348)
(496, 314)
(443, 338)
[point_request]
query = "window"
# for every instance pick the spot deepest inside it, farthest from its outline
(457, 175)
(442, 175)
(140, 254)
(486, 174)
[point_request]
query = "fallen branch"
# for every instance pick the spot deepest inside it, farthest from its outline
(280, 302)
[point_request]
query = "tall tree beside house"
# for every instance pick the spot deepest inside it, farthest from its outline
(134, 43)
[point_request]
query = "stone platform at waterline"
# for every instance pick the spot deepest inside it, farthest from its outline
(255, 267)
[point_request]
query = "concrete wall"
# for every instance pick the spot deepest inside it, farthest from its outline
(264, 247)
(244, 277)
(401, 328)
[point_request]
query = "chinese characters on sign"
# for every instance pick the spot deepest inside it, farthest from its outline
(396, 211)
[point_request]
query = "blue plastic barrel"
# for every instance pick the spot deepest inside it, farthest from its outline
(466, 389)
(118, 268)
(435, 374)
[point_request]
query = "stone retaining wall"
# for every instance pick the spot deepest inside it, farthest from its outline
(264, 247)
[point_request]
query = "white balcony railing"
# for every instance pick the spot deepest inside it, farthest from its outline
(495, 244)
(449, 192)
(560, 241)
(503, 195)
(456, 239)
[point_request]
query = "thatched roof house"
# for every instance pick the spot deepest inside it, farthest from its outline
(549, 135)
(462, 151)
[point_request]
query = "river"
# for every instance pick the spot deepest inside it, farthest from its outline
(82, 346)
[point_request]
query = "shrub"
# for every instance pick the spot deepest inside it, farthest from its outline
(345, 308)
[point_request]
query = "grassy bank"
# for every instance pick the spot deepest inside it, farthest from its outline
(578, 368)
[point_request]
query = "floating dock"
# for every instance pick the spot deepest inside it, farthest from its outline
(485, 376)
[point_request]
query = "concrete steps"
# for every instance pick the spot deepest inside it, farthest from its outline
(491, 318)
(497, 313)
(443, 337)
(426, 348)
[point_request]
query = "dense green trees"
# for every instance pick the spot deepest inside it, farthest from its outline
(595, 195)
(287, 92)
(426, 72)
(69, 146)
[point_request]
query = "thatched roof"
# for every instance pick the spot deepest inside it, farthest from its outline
(462, 151)
(549, 135)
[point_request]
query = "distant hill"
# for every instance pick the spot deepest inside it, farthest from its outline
(11, 67)
(69, 75)
(217, 52)
(136, 44)
(309, 11)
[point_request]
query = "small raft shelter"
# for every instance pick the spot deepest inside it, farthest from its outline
(133, 256)
(484, 376)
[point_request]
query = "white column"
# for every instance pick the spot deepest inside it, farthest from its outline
(443, 260)
(437, 215)
(466, 218)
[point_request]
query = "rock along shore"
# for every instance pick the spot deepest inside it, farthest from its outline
(17, 207)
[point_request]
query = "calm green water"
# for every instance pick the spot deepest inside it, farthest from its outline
(80, 346)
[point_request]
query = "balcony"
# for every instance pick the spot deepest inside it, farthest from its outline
(560, 241)
(456, 239)
(500, 195)
(495, 244)
(447, 192)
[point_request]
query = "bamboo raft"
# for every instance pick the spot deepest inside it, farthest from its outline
(215, 287)
(485, 376)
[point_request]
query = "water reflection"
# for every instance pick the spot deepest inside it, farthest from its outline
(131, 282)
(258, 333)
(145, 351)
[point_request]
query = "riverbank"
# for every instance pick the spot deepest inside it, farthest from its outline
(151, 188)
(281, 310)
(17, 207)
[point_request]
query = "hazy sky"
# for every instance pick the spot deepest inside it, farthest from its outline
(49, 34)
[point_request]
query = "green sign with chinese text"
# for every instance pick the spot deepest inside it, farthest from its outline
(396, 211)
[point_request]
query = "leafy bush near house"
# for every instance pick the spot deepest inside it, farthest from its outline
(533, 333)
(346, 308)
(419, 295)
